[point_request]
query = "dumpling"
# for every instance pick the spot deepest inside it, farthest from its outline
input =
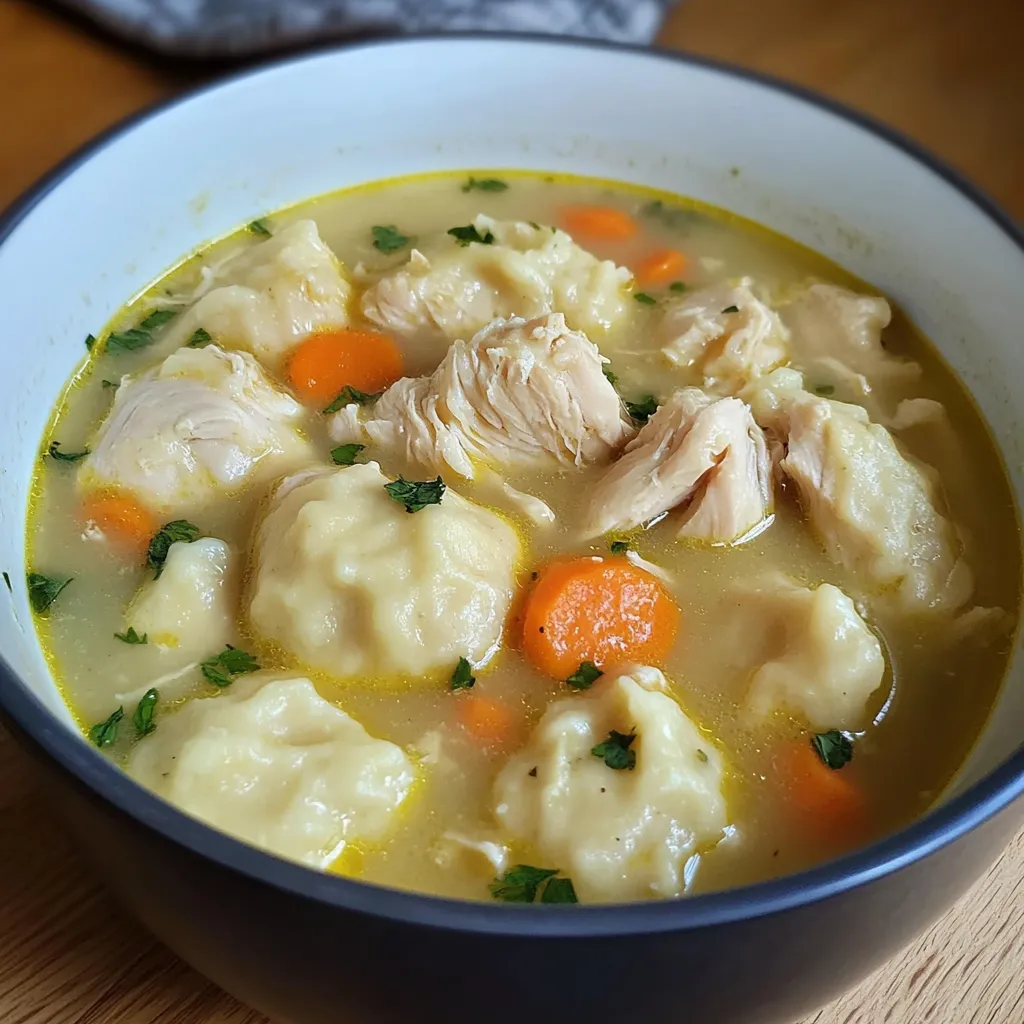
(816, 659)
(350, 583)
(449, 291)
(198, 427)
(873, 509)
(704, 455)
(273, 294)
(723, 336)
(190, 607)
(620, 834)
(273, 763)
(521, 392)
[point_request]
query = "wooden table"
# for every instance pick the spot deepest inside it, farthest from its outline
(948, 72)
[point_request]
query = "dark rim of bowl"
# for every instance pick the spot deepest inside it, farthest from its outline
(937, 829)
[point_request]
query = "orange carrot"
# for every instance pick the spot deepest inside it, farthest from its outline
(325, 362)
(598, 222)
(603, 610)
(661, 267)
(122, 519)
(827, 800)
(491, 722)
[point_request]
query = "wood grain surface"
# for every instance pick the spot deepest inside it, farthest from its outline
(949, 73)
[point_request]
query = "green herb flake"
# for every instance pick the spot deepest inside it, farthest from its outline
(645, 300)
(678, 287)
(90, 340)
(825, 390)
(533, 224)
(615, 751)
(462, 677)
(618, 547)
(585, 676)
(168, 534)
(7, 580)
(345, 454)
(612, 378)
(734, 171)
(469, 233)
(731, 309)
(349, 395)
(388, 239)
(643, 410)
(834, 749)
(142, 719)
(520, 883)
(702, 756)
(259, 227)
(222, 668)
(109, 383)
(142, 334)
(200, 337)
(58, 456)
(105, 733)
(676, 217)
(416, 494)
(484, 185)
(131, 637)
(559, 890)
(43, 590)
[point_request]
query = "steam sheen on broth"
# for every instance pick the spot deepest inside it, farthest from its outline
(811, 631)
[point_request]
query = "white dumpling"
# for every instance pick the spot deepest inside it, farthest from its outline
(352, 584)
(273, 763)
(525, 392)
(447, 291)
(189, 608)
(271, 295)
(618, 834)
(814, 656)
(195, 429)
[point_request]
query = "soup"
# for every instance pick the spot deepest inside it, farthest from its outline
(525, 538)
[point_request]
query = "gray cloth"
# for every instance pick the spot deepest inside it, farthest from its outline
(235, 28)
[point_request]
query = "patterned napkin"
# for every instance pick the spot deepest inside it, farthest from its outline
(236, 28)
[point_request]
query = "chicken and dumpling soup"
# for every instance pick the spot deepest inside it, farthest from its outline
(525, 538)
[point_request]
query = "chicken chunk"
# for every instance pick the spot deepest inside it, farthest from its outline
(703, 455)
(872, 507)
(196, 428)
(723, 336)
(519, 392)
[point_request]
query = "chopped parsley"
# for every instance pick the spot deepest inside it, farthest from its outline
(734, 171)
(731, 309)
(462, 677)
(644, 299)
(520, 883)
(168, 534)
(57, 455)
(484, 185)
(559, 890)
(618, 547)
(131, 637)
(469, 234)
(833, 748)
(90, 340)
(675, 217)
(388, 239)
(702, 756)
(222, 668)
(43, 590)
(345, 454)
(259, 227)
(349, 395)
(825, 390)
(615, 751)
(643, 410)
(105, 733)
(141, 334)
(109, 383)
(200, 337)
(144, 712)
(678, 287)
(7, 580)
(585, 676)
(416, 494)
(613, 378)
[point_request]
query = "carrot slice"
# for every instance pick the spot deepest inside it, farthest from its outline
(325, 362)
(122, 519)
(603, 610)
(660, 267)
(598, 222)
(829, 801)
(491, 722)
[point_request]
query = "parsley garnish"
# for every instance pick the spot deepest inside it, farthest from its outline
(55, 453)
(90, 340)
(731, 309)
(7, 580)
(259, 227)
(484, 185)
(388, 239)
(348, 395)
(200, 337)
(702, 756)
(43, 590)
(222, 668)
(131, 637)
(825, 390)
(416, 494)
(345, 454)
(168, 534)
(559, 890)
(585, 676)
(144, 712)
(833, 748)
(615, 751)
(643, 410)
(612, 378)
(645, 299)
(105, 733)
(469, 234)
(462, 677)
(142, 334)
(677, 286)
(675, 217)
(109, 383)
(618, 547)
(520, 883)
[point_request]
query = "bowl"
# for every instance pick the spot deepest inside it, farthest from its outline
(309, 948)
